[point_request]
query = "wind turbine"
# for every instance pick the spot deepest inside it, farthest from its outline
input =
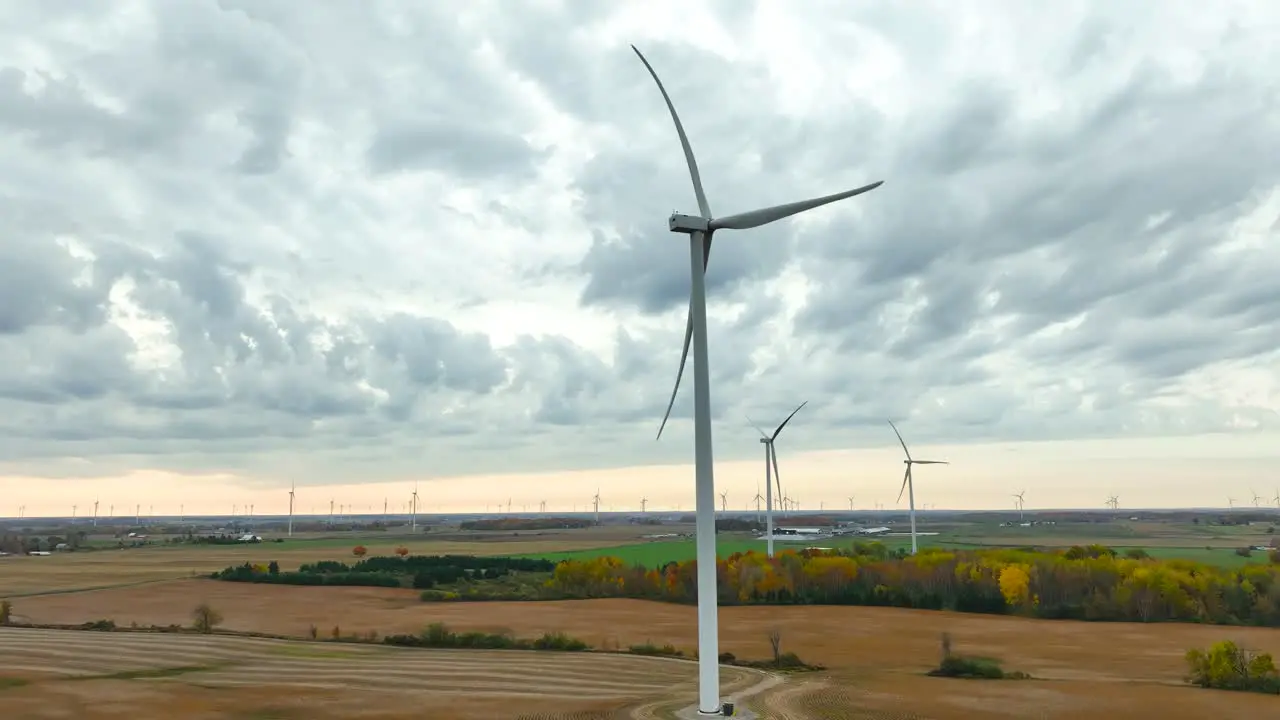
(644, 504)
(724, 502)
(1276, 499)
(700, 229)
(73, 508)
(95, 512)
(771, 475)
(908, 483)
(595, 502)
(292, 487)
(851, 503)
(1019, 502)
(1256, 497)
(413, 509)
(757, 500)
(542, 507)
(1113, 502)
(1231, 503)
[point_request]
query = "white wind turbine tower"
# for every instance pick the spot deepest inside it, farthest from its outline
(700, 229)
(757, 500)
(1113, 502)
(413, 510)
(542, 507)
(1231, 503)
(644, 505)
(909, 485)
(95, 512)
(771, 475)
(1257, 499)
(595, 503)
(1276, 499)
(292, 487)
(850, 503)
(1019, 503)
(724, 502)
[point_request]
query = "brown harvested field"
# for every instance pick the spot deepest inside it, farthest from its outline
(144, 675)
(876, 656)
(22, 575)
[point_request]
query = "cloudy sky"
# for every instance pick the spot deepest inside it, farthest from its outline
(244, 243)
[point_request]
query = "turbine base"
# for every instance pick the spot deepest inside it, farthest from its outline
(687, 224)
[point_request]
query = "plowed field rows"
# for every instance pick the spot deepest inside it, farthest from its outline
(51, 659)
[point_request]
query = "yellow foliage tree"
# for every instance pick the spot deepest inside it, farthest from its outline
(1015, 585)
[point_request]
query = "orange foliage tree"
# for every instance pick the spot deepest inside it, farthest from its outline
(402, 551)
(359, 551)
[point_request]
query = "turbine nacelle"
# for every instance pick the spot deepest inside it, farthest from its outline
(688, 224)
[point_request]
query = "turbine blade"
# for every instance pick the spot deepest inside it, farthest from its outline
(764, 216)
(703, 207)
(905, 478)
(777, 477)
(784, 422)
(684, 358)
(688, 338)
(904, 442)
(930, 462)
(753, 424)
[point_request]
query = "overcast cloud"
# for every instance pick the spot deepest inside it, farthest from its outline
(387, 240)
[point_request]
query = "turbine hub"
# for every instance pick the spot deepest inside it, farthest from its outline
(688, 224)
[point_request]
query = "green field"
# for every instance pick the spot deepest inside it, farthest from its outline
(657, 553)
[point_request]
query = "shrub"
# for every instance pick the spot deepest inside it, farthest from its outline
(1226, 666)
(1244, 551)
(6, 612)
(205, 618)
(648, 648)
(402, 551)
(313, 632)
(966, 667)
(359, 551)
(103, 625)
(1137, 554)
(559, 641)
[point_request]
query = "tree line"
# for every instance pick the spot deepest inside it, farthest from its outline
(1084, 582)
(418, 571)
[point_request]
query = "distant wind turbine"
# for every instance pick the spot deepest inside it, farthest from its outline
(724, 502)
(700, 229)
(850, 502)
(1019, 502)
(757, 500)
(73, 510)
(595, 502)
(95, 513)
(413, 510)
(1113, 502)
(1276, 499)
(542, 507)
(1231, 503)
(292, 487)
(908, 483)
(644, 504)
(1257, 499)
(771, 474)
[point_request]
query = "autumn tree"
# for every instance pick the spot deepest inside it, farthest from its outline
(205, 618)
(402, 551)
(359, 551)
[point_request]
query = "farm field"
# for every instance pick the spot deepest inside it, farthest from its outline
(875, 657)
(64, 572)
(655, 553)
(59, 674)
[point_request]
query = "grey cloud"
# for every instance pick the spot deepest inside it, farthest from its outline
(202, 165)
(467, 151)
